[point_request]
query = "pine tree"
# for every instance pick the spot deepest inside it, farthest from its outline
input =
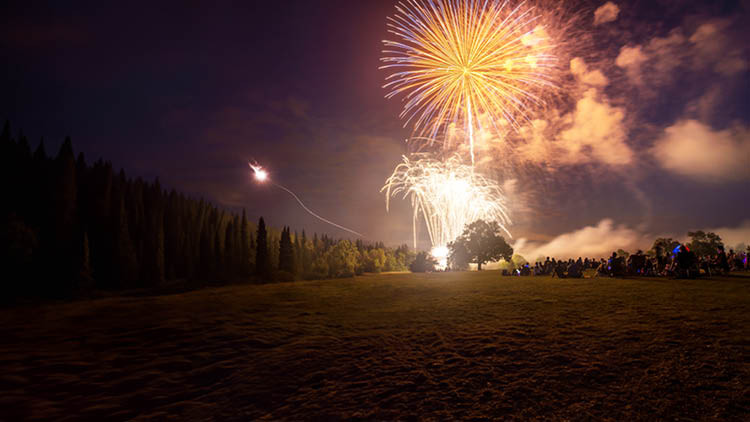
(307, 257)
(85, 279)
(152, 236)
(206, 254)
(172, 238)
(229, 251)
(219, 272)
(286, 251)
(64, 198)
(262, 262)
(298, 253)
(236, 247)
(7, 155)
(244, 268)
(126, 265)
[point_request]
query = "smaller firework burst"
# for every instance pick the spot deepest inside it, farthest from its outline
(448, 194)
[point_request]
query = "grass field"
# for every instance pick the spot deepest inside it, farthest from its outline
(389, 347)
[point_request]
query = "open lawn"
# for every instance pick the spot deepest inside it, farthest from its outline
(391, 347)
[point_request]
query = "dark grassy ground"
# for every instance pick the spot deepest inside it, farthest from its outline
(391, 347)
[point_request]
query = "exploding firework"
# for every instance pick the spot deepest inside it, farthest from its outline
(261, 175)
(465, 61)
(447, 194)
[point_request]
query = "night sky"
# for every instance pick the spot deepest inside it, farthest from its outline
(651, 135)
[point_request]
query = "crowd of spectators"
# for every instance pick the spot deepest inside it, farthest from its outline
(679, 263)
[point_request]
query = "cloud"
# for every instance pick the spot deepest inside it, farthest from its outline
(580, 70)
(631, 59)
(602, 239)
(597, 132)
(665, 53)
(590, 241)
(707, 104)
(712, 46)
(692, 149)
(606, 13)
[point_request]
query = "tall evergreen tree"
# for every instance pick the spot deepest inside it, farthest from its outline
(298, 252)
(307, 257)
(262, 261)
(219, 272)
(206, 255)
(286, 251)
(229, 251)
(244, 268)
(152, 235)
(64, 240)
(126, 271)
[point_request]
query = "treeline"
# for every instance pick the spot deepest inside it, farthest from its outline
(69, 226)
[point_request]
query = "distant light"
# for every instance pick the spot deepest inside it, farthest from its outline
(440, 253)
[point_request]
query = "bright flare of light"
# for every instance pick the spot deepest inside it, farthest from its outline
(447, 194)
(260, 174)
(440, 253)
(458, 60)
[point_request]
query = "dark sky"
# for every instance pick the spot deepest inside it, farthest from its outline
(189, 91)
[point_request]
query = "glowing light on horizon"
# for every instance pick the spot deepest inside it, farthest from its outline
(448, 195)
(465, 62)
(440, 253)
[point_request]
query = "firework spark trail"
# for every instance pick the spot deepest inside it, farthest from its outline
(448, 195)
(262, 175)
(459, 60)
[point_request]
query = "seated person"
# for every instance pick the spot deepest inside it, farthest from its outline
(575, 269)
(722, 263)
(685, 263)
(648, 269)
(637, 262)
(616, 265)
(559, 269)
(602, 268)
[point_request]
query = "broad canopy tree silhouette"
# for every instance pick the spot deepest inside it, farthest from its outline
(481, 242)
(704, 244)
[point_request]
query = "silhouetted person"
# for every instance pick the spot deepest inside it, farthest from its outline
(636, 262)
(602, 269)
(686, 263)
(721, 260)
(559, 269)
(575, 269)
(660, 259)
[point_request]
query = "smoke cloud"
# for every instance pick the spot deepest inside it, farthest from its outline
(606, 13)
(695, 150)
(590, 241)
